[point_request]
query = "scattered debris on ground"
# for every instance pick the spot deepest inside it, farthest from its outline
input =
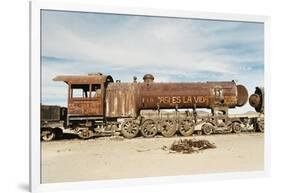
(189, 146)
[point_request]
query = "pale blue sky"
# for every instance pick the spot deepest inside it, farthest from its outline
(176, 50)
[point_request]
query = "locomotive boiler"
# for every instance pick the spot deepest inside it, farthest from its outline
(191, 95)
(128, 99)
(98, 106)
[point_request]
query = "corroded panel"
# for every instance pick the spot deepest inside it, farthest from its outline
(85, 108)
(121, 100)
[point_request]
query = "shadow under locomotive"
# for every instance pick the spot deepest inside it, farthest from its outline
(98, 106)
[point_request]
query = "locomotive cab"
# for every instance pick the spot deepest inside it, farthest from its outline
(85, 96)
(85, 99)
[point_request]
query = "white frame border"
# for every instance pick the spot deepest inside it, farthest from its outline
(35, 79)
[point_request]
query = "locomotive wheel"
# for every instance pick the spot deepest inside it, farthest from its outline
(168, 128)
(236, 127)
(186, 127)
(260, 126)
(85, 133)
(149, 128)
(207, 128)
(129, 129)
(48, 135)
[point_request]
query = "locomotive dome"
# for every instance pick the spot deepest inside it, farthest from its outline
(148, 78)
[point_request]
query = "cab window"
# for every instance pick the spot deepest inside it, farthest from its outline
(96, 90)
(85, 91)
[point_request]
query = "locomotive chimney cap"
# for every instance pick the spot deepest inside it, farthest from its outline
(148, 78)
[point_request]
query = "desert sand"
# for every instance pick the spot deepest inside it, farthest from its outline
(117, 158)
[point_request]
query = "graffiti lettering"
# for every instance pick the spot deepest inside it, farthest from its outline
(182, 99)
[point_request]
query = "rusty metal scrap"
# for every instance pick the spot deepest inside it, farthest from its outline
(190, 145)
(256, 100)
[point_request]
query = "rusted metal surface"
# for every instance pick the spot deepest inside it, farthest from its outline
(85, 107)
(191, 95)
(85, 79)
(92, 86)
(148, 78)
(242, 95)
(256, 100)
(128, 99)
(121, 100)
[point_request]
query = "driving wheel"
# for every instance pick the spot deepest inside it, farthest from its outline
(48, 135)
(168, 128)
(236, 127)
(129, 129)
(186, 127)
(149, 128)
(207, 128)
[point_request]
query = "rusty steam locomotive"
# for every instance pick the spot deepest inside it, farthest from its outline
(98, 106)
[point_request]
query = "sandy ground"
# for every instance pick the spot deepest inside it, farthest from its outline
(115, 158)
